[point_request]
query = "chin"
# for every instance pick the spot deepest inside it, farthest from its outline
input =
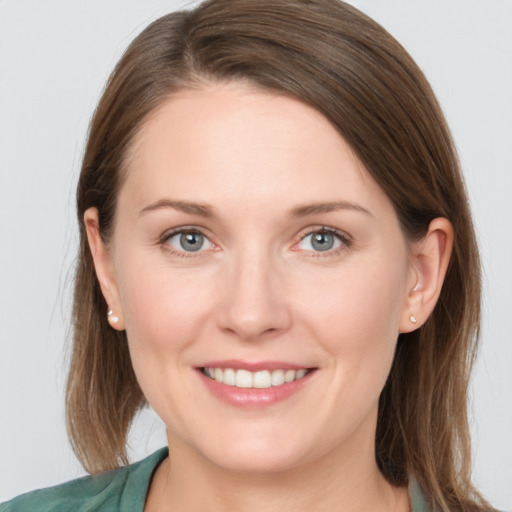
(256, 462)
(258, 453)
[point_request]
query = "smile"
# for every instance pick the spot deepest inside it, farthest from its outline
(255, 380)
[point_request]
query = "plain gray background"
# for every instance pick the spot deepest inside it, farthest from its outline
(54, 59)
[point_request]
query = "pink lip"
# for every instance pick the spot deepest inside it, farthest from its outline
(252, 398)
(252, 366)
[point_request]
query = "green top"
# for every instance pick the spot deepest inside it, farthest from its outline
(122, 489)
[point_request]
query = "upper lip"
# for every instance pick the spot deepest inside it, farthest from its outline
(253, 366)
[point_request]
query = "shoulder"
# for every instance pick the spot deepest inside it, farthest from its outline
(103, 492)
(87, 493)
(419, 503)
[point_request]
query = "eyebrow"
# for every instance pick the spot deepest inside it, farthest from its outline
(207, 211)
(203, 210)
(317, 208)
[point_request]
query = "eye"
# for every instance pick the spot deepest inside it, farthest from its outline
(322, 240)
(188, 241)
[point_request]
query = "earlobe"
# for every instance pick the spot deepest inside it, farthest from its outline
(103, 265)
(430, 260)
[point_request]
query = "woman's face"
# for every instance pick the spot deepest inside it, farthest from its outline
(251, 245)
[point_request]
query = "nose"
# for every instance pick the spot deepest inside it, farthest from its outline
(254, 303)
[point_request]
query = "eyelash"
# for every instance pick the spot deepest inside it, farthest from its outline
(342, 237)
(166, 237)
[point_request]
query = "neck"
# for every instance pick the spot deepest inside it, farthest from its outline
(351, 483)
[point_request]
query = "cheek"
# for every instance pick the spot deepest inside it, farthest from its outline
(165, 312)
(362, 297)
(355, 316)
(163, 307)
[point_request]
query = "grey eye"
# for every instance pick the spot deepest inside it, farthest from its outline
(189, 241)
(320, 241)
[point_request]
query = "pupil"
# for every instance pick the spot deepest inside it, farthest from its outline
(322, 241)
(191, 241)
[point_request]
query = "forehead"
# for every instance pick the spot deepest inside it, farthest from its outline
(234, 145)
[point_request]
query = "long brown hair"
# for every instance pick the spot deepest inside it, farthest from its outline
(334, 58)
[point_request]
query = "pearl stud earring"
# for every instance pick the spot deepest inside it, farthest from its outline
(413, 319)
(111, 318)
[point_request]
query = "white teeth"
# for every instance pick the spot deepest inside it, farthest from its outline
(300, 374)
(262, 380)
(259, 380)
(229, 377)
(243, 379)
(278, 378)
(289, 375)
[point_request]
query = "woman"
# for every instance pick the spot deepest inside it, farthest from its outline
(277, 254)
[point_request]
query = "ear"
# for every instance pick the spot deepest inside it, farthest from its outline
(104, 267)
(429, 262)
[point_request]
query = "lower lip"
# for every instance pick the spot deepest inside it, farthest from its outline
(254, 398)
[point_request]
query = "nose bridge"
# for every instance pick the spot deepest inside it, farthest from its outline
(253, 300)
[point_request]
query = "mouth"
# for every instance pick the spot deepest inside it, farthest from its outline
(253, 384)
(241, 378)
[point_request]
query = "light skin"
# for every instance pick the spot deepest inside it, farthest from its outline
(259, 177)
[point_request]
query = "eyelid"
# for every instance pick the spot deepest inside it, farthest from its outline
(343, 237)
(167, 235)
